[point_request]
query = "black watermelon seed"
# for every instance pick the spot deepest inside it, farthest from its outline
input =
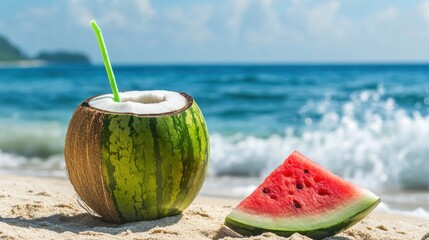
(299, 185)
(306, 171)
(296, 204)
(265, 190)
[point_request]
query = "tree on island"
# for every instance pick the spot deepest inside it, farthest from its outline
(8, 52)
(63, 57)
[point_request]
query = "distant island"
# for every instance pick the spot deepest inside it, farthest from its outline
(10, 54)
(63, 57)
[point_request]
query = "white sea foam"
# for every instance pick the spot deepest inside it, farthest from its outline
(370, 141)
(417, 212)
(31, 139)
(374, 143)
(53, 166)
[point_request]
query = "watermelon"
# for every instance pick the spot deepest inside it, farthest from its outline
(301, 196)
(142, 159)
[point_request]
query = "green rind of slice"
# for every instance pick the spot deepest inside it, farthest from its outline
(316, 227)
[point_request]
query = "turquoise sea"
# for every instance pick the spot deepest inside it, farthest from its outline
(367, 123)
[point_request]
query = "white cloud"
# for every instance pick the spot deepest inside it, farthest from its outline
(286, 22)
(424, 8)
(145, 8)
(239, 7)
(387, 14)
(38, 12)
(80, 12)
(227, 29)
(254, 22)
(272, 22)
(189, 24)
(26, 17)
(113, 14)
(322, 17)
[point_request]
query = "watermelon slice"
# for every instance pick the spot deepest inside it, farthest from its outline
(301, 196)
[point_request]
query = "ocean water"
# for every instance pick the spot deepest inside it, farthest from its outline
(366, 123)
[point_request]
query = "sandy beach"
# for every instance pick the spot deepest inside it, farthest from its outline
(46, 208)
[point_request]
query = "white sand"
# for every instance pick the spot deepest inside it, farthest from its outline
(40, 208)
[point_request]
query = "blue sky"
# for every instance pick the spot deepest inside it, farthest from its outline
(225, 31)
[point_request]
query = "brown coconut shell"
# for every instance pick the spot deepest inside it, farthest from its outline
(84, 167)
(83, 157)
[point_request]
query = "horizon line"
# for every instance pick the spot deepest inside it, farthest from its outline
(225, 63)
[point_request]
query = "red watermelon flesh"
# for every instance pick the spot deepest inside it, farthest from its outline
(301, 196)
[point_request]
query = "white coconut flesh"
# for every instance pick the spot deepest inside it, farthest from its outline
(141, 102)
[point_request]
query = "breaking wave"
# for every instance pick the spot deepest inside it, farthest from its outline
(370, 141)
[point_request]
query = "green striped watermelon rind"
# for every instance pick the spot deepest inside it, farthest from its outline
(154, 166)
(130, 167)
(314, 226)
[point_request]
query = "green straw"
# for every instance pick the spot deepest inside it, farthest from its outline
(106, 61)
